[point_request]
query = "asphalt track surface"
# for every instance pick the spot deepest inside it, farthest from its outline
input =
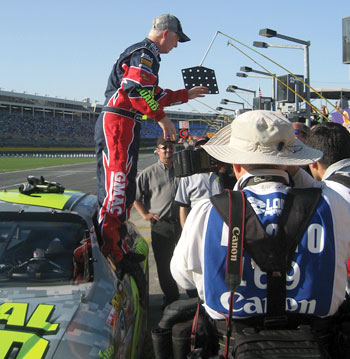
(82, 177)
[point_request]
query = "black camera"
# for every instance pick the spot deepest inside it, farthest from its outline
(189, 162)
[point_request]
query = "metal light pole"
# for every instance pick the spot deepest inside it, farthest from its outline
(265, 75)
(236, 89)
(304, 46)
(241, 74)
(232, 88)
(224, 108)
(224, 101)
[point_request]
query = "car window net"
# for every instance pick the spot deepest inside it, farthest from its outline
(43, 251)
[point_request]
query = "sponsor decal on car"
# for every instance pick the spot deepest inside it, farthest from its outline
(107, 354)
(25, 336)
(119, 299)
(112, 317)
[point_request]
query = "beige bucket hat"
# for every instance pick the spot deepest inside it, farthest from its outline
(260, 137)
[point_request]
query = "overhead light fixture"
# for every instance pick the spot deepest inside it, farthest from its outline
(246, 69)
(267, 32)
(261, 44)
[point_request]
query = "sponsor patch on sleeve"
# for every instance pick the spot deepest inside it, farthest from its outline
(145, 77)
(146, 62)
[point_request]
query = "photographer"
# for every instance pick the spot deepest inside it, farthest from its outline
(261, 144)
(196, 187)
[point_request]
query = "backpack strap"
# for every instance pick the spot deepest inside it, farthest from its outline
(342, 179)
(298, 209)
(303, 203)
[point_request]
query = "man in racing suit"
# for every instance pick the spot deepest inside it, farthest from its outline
(132, 91)
(261, 144)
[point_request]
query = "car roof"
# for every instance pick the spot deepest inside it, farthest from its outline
(81, 203)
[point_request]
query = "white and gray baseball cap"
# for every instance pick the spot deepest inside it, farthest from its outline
(172, 23)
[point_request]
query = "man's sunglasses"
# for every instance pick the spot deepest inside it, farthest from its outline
(165, 147)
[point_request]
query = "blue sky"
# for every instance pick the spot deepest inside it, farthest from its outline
(66, 48)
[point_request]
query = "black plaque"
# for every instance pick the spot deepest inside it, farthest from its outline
(200, 76)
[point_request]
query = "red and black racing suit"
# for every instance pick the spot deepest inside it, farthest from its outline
(132, 90)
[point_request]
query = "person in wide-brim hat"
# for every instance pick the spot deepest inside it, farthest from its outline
(260, 137)
(294, 242)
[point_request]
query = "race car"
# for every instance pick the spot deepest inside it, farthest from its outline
(60, 298)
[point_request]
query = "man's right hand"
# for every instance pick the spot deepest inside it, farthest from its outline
(168, 128)
(151, 217)
(197, 91)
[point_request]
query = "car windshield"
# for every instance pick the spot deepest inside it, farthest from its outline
(37, 252)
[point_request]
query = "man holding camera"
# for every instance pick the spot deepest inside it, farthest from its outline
(156, 187)
(196, 187)
(261, 145)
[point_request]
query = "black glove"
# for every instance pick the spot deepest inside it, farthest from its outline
(134, 257)
(130, 264)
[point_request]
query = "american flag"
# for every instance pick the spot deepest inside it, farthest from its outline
(259, 93)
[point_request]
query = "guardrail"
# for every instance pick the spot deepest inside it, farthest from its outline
(60, 154)
(55, 154)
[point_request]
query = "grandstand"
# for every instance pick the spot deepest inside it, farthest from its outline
(43, 121)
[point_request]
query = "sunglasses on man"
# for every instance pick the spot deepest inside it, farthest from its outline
(165, 147)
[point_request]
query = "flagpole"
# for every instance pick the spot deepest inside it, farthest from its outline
(260, 95)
